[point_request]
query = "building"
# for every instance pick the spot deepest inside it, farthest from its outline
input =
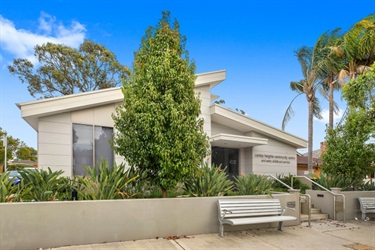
(74, 130)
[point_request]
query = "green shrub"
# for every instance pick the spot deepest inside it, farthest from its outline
(208, 181)
(103, 183)
(297, 184)
(9, 192)
(45, 185)
(339, 181)
(253, 184)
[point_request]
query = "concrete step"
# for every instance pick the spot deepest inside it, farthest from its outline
(315, 210)
(314, 217)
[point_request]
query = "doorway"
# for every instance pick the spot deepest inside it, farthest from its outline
(226, 158)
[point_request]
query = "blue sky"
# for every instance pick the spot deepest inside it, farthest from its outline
(253, 40)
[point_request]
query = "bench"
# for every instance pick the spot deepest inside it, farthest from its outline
(250, 211)
(367, 205)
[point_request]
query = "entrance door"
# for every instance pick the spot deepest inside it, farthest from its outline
(226, 158)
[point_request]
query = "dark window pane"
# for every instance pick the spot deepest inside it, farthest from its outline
(82, 148)
(103, 149)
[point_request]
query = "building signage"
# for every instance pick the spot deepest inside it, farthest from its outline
(270, 158)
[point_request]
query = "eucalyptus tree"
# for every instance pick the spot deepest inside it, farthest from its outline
(159, 129)
(62, 70)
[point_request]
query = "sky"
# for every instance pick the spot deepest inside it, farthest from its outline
(253, 40)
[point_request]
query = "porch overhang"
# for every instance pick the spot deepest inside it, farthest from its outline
(236, 141)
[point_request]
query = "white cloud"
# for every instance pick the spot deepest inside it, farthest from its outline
(325, 115)
(20, 43)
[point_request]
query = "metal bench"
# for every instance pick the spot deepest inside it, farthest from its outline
(367, 205)
(250, 211)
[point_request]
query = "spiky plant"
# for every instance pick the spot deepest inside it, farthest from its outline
(103, 183)
(253, 184)
(46, 185)
(208, 181)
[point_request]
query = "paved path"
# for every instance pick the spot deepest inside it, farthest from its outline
(332, 235)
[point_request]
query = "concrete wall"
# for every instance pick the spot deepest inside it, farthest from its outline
(324, 201)
(274, 158)
(54, 224)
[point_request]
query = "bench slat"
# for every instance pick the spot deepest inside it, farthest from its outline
(257, 220)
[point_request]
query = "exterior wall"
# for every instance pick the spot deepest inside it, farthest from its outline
(246, 166)
(55, 148)
(55, 143)
(205, 95)
(88, 222)
(274, 158)
(219, 128)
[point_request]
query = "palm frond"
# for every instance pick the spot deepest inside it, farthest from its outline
(288, 113)
(317, 111)
(297, 86)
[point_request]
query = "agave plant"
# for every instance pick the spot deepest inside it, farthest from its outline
(10, 192)
(253, 184)
(208, 181)
(45, 185)
(104, 183)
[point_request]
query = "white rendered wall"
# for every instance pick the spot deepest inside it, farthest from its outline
(274, 158)
(217, 128)
(204, 94)
(55, 143)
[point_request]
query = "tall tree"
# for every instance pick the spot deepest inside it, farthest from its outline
(308, 59)
(349, 149)
(332, 61)
(358, 48)
(27, 153)
(158, 124)
(16, 148)
(64, 70)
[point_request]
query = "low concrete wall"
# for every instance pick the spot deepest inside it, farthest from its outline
(53, 224)
(324, 201)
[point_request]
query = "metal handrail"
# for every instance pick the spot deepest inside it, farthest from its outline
(308, 196)
(309, 207)
(275, 178)
(329, 191)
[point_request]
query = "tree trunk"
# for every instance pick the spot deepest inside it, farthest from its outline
(310, 138)
(163, 192)
(330, 123)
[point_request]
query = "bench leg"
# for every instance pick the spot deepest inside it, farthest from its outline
(280, 225)
(221, 230)
(363, 216)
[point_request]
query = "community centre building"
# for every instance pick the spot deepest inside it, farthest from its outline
(76, 130)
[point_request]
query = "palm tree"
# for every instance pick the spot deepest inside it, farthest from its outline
(308, 59)
(331, 62)
(358, 48)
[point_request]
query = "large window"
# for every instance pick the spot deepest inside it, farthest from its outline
(90, 145)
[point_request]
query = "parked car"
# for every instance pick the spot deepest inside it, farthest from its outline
(16, 176)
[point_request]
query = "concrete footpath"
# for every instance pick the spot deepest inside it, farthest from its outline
(358, 235)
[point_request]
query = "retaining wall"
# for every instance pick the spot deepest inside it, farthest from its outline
(34, 225)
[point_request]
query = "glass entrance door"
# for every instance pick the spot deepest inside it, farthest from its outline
(226, 158)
